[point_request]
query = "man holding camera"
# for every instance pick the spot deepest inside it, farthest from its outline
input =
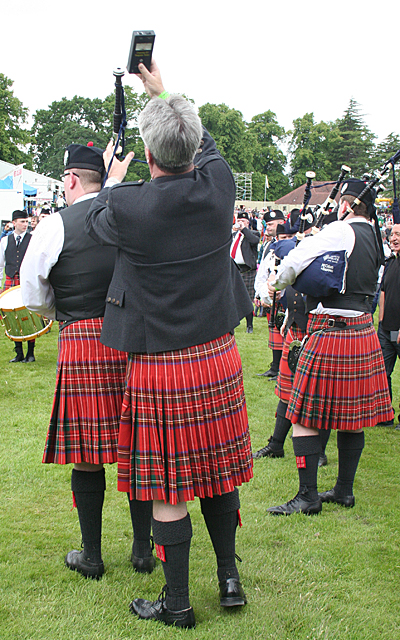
(173, 303)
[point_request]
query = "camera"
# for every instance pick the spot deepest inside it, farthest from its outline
(141, 50)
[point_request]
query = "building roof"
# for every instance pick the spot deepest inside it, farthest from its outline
(318, 194)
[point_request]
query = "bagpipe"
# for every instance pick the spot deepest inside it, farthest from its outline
(119, 122)
(275, 319)
(330, 203)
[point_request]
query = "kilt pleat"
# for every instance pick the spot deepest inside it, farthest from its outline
(340, 380)
(275, 340)
(90, 383)
(248, 278)
(284, 383)
(184, 428)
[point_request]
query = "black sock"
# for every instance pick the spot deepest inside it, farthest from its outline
(88, 488)
(141, 513)
(173, 545)
(18, 348)
(282, 427)
(249, 319)
(350, 446)
(276, 359)
(307, 450)
(221, 517)
(324, 437)
(31, 348)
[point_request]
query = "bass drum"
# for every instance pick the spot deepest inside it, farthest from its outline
(19, 323)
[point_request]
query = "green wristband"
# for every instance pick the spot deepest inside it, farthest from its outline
(163, 95)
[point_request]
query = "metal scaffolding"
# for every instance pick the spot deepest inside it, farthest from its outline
(243, 182)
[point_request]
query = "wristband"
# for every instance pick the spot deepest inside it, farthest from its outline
(164, 95)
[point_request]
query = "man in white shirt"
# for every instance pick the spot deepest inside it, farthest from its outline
(12, 251)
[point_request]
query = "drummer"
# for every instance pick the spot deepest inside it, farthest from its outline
(12, 252)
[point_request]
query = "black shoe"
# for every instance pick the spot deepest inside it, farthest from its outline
(268, 374)
(143, 565)
(18, 358)
(330, 496)
(249, 330)
(273, 378)
(231, 593)
(147, 610)
(323, 460)
(299, 504)
(74, 560)
(269, 452)
(29, 359)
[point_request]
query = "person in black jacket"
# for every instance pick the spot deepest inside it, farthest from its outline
(244, 251)
(174, 300)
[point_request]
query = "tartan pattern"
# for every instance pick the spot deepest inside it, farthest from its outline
(248, 279)
(87, 402)
(11, 282)
(275, 340)
(284, 383)
(340, 380)
(184, 428)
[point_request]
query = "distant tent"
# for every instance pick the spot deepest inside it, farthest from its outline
(7, 183)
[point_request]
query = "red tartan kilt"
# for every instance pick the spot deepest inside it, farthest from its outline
(340, 380)
(184, 428)
(284, 384)
(275, 340)
(90, 384)
(11, 282)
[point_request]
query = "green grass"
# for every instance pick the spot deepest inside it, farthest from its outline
(332, 576)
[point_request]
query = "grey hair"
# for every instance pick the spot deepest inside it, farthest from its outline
(172, 131)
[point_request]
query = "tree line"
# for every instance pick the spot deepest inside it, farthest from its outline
(255, 147)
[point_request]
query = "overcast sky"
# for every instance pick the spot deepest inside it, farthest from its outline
(288, 56)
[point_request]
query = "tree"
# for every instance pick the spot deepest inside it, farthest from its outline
(230, 133)
(310, 146)
(13, 138)
(355, 145)
(268, 159)
(383, 152)
(82, 120)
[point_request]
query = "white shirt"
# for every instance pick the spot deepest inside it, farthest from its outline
(336, 236)
(41, 255)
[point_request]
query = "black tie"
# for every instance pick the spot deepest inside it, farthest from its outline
(18, 240)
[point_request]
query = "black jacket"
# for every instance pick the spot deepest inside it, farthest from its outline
(175, 284)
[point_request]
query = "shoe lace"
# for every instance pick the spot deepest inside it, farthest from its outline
(162, 596)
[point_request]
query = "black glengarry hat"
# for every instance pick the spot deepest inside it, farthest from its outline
(77, 156)
(354, 187)
(18, 214)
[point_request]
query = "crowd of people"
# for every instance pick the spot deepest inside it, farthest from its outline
(148, 372)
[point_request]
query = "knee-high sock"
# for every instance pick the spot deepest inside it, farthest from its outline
(141, 513)
(221, 517)
(282, 426)
(249, 319)
(18, 348)
(350, 446)
(88, 488)
(31, 347)
(276, 359)
(307, 450)
(173, 545)
(324, 437)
